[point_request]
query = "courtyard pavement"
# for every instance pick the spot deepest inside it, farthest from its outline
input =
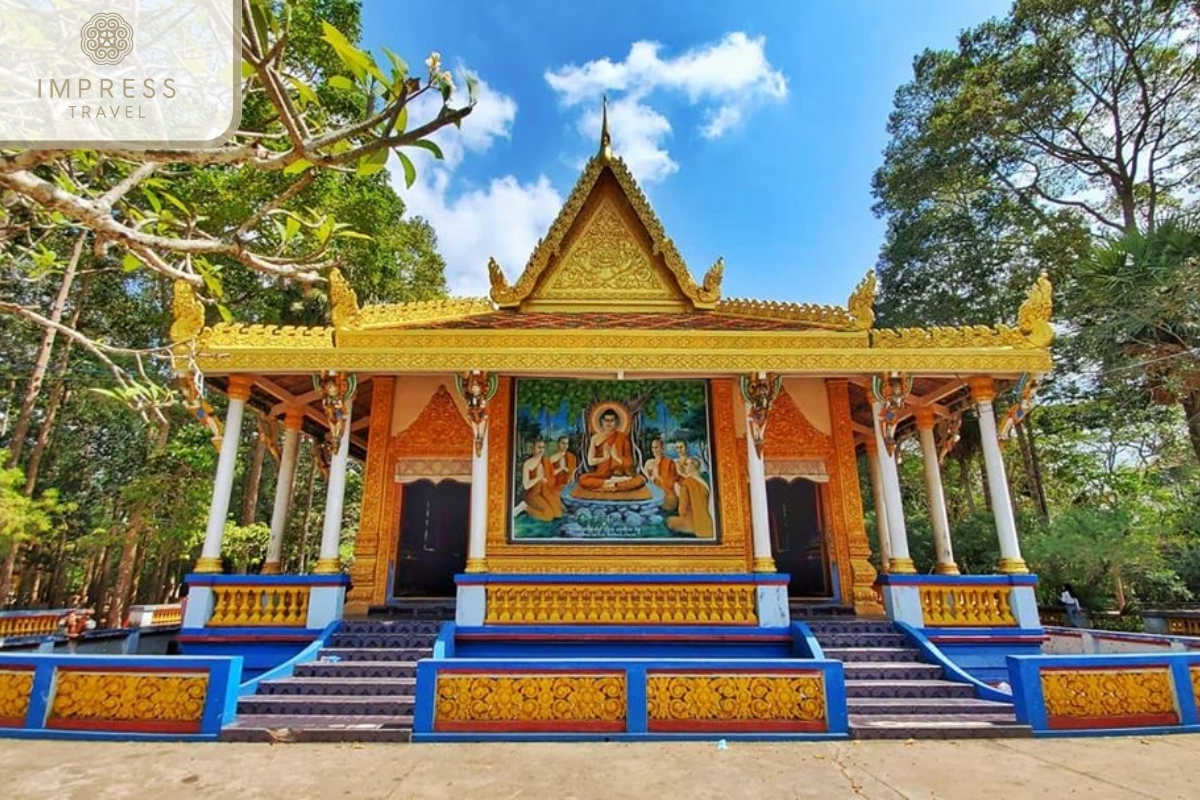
(1135, 767)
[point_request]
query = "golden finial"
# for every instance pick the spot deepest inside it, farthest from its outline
(862, 303)
(1033, 318)
(605, 138)
(188, 312)
(342, 299)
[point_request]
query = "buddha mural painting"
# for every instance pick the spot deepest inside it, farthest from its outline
(611, 475)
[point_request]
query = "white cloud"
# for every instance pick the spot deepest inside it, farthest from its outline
(502, 219)
(726, 80)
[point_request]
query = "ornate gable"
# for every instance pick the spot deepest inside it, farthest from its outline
(790, 435)
(606, 249)
(439, 431)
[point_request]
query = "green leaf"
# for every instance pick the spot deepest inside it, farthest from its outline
(247, 69)
(341, 82)
(431, 146)
(358, 61)
(399, 64)
(348, 234)
(410, 172)
(226, 314)
(305, 93)
(373, 162)
(297, 167)
(291, 227)
(130, 262)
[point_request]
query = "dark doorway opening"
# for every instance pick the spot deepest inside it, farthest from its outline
(797, 536)
(434, 518)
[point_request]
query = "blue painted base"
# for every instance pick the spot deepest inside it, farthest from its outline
(261, 649)
(982, 652)
(428, 738)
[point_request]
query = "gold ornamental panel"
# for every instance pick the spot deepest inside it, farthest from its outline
(95, 695)
(1194, 672)
(16, 685)
(1108, 694)
(736, 697)
(535, 701)
(624, 604)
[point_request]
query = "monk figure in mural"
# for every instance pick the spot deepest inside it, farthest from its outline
(563, 464)
(610, 456)
(694, 514)
(662, 472)
(541, 500)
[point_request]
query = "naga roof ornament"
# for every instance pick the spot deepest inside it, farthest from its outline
(343, 301)
(862, 303)
(1033, 318)
(187, 312)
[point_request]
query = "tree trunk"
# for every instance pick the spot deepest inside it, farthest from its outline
(983, 476)
(312, 476)
(95, 587)
(1037, 474)
(119, 597)
(58, 577)
(1191, 412)
(57, 398)
(42, 362)
(6, 571)
(253, 479)
(1033, 480)
(964, 482)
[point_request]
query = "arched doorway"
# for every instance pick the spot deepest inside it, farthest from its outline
(434, 519)
(796, 517)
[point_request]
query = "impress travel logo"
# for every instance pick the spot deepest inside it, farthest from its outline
(119, 73)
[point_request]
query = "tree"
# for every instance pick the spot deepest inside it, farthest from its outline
(314, 105)
(1137, 304)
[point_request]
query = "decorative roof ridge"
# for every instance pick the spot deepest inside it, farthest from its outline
(832, 317)
(420, 311)
(703, 296)
(240, 334)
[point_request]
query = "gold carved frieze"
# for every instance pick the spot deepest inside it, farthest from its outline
(236, 336)
(595, 700)
(375, 523)
(948, 338)
(626, 604)
(791, 436)
(1120, 696)
(82, 696)
(606, 262)
(16, 685)
(833, 318)
(420, 312)
(735, 697)
(410, 469)
(440, 431)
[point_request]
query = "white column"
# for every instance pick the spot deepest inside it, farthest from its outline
(760, 521)
(935, 495)
(900, 562)
(238, 393)
(329, 563)
(881, 525)
(477, 536)
(283, 489)
(983, 391)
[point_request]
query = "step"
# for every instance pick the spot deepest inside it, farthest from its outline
(924, 706)
(405, 626)
(375, 653)
(338, 687)
(279, 729)
(822, 626)
(908, 688)
(356, 669)
(942, 727)
(306, 706)
(862, 640)
(892, 671)
(382, 640)
(856, 655)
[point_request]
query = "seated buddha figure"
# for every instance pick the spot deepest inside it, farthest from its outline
(613, 470)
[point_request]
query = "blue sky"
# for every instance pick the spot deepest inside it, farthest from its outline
(753, 128)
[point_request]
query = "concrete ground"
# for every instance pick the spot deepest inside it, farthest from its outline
(1157, 767)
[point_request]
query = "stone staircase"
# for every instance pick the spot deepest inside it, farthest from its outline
(359, 689)
(893, 694)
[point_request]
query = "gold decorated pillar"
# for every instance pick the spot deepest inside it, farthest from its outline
(337, 392)
(477, 389)
(759, 392)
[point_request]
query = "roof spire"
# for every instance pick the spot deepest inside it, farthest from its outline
(605, 139)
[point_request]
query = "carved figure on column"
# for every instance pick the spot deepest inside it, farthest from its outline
(951, 434)
(191, 387)
(1026, 390)
(337, 389)
(477, 389)
(892, 392)
(759, 392)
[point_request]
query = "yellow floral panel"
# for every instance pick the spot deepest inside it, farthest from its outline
(670, 604)
(132, 700)
(737, 701)
(531, 702)
(1109, 697)
(1195, 673)
(15, 688)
